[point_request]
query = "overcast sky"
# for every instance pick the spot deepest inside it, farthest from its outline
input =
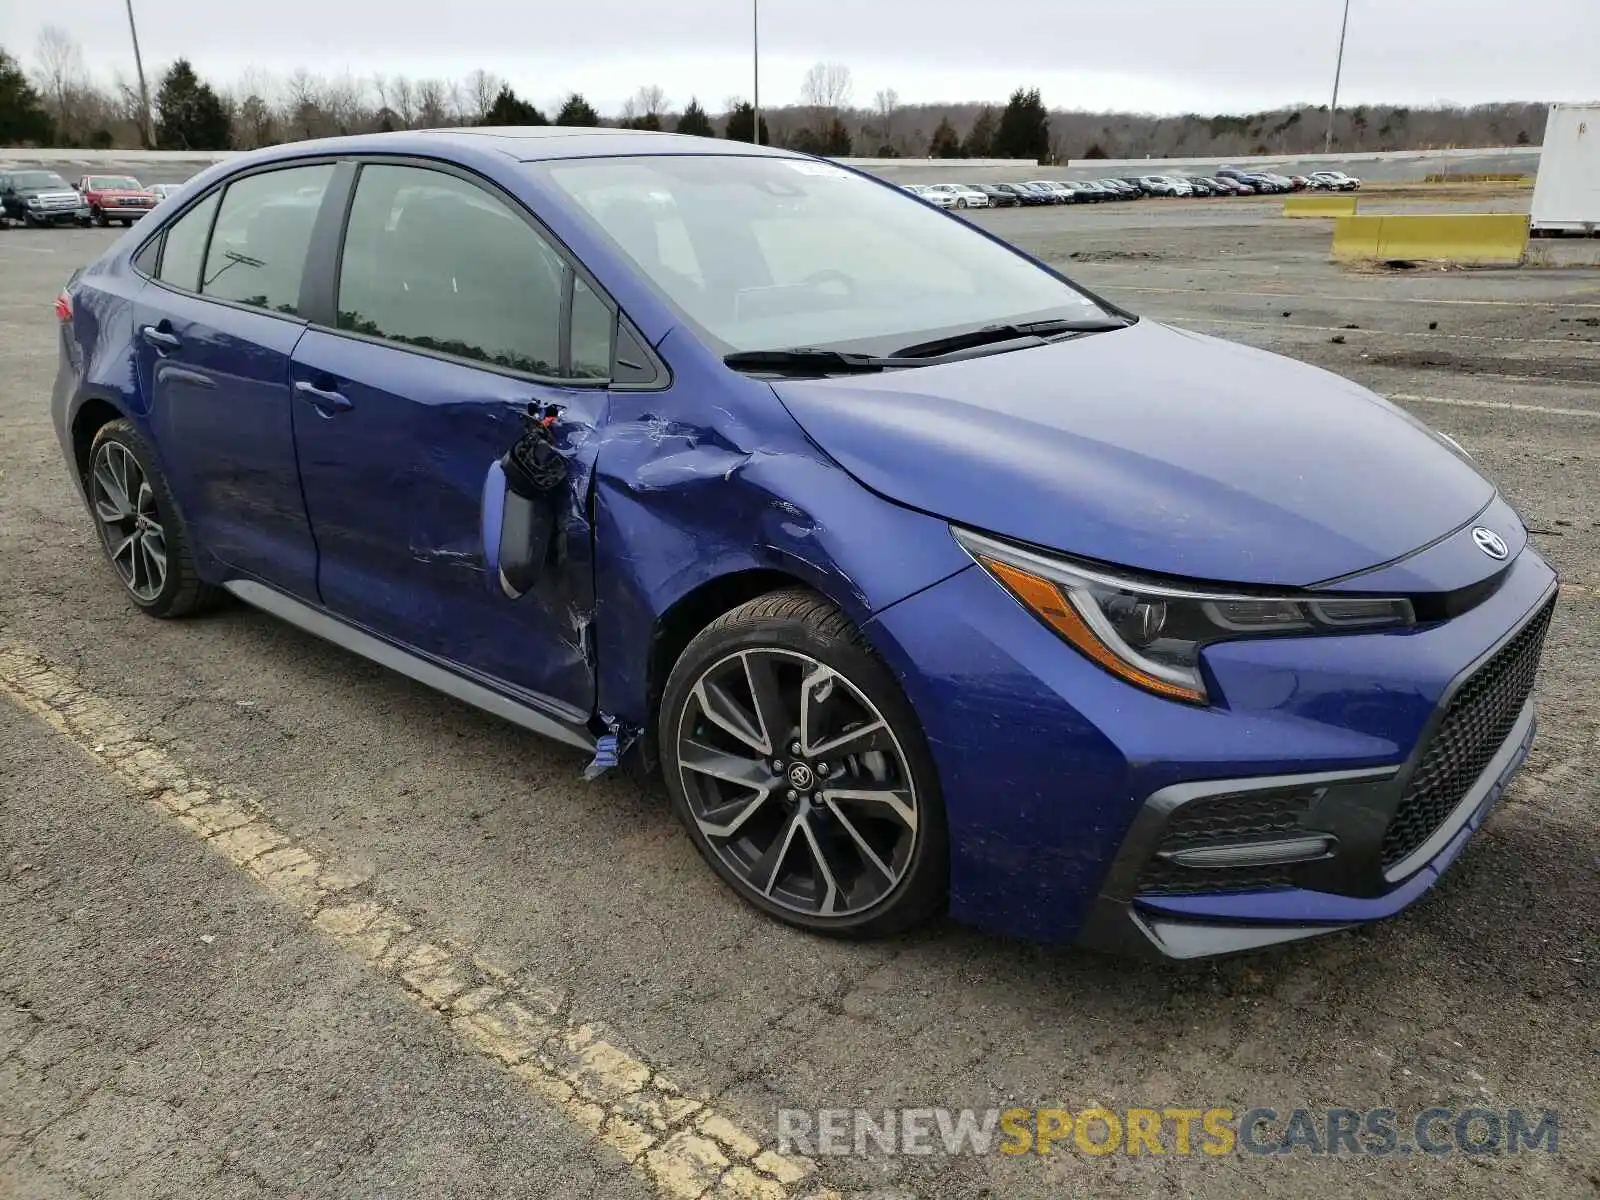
(1144, 55)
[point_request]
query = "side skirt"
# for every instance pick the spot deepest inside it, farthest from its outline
(425, 671)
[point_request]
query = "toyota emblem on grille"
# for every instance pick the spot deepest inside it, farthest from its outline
(1490, 542)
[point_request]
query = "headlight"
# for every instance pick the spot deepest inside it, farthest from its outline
(1151, 634)
(34, 202)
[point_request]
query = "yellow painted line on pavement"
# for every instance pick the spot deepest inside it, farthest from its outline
(678, 1143)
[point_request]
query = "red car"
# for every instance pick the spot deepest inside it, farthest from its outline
(115, 198)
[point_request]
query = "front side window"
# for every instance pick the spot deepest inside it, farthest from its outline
(186, 244)
(263, 231)
(433, 261)
(763, 252)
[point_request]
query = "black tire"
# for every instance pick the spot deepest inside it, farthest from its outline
(182, 592)
(802, 624)
(98, 217)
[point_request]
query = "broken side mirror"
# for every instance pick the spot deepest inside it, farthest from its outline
(521, 497)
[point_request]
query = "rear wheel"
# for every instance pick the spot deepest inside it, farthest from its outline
(800, 772)
(144, 537)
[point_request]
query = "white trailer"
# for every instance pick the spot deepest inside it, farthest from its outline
(1566, 197)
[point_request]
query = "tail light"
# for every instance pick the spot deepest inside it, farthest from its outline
(64, 306)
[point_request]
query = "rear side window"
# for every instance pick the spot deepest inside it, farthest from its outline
(185, 245)
(263, 231)
(433, 261)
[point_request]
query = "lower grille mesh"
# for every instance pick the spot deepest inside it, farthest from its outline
(1480, 718)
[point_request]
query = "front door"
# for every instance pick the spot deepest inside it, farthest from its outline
(449, 327)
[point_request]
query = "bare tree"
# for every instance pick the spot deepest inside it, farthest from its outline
(433, 103)
(403, 99)
(482, 87)
(886, 103)
(652, 101)
(826, 91)
(61, 78)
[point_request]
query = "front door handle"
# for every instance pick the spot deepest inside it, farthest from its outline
(160, 338)
(326, 401)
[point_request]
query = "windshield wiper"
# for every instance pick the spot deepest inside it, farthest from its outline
(1037, 332)
(810, 360)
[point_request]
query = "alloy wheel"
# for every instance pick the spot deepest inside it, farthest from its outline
(797, 783)
(125, 506)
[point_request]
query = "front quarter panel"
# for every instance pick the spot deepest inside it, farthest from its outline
(711, 478)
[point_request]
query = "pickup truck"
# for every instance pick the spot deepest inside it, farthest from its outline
(115, 198)
(37, 198)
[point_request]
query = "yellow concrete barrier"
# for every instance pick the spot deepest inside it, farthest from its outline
(1476, 238)
(1355, 239)
(1319, 206)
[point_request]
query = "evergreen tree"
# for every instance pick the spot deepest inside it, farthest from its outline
(944, 143)
(510, 109)
(980, 138)
(577, 111)
(742, 124)
(1024, 130)
(190, 115)
(836, 143)
(695, 121)
(649, 122)
(22, 116)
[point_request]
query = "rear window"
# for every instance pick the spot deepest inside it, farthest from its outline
(257, 252)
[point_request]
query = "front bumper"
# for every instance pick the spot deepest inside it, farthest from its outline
(1064, 786)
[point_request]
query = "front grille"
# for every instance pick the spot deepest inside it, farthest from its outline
(1213, 820)
(1475, 726)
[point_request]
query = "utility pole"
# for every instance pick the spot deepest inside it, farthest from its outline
(144, 92)
(755, 62)
(1338, 69)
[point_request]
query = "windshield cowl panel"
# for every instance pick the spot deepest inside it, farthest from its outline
(767, 253)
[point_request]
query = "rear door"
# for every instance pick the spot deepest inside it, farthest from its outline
(453, 314)
(214, 332)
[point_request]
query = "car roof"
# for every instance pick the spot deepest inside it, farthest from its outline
(522, 143)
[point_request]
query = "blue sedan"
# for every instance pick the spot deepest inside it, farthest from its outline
(929, 580)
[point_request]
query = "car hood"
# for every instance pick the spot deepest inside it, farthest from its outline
(46, 193)
(1153, 448)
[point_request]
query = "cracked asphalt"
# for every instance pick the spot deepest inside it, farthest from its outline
(138, 1059)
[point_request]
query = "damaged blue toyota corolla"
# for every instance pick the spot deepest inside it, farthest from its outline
(927, 578)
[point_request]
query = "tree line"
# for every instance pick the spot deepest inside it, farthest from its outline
(56, 102)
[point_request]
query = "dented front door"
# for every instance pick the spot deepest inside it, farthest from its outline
(393, 449)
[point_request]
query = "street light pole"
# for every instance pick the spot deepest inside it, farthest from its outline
(1338, 69)
(144, 92)
(755, 62)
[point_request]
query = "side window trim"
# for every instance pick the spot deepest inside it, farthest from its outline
(573, 268)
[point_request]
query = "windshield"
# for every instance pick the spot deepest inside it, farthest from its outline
(24, 180)
(115, 183)
(763, 253)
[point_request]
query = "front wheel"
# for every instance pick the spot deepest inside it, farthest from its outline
(800, 772)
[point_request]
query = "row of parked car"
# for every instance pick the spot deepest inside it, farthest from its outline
(1226, 182)
(40, 197)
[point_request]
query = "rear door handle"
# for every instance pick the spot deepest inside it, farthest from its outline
(327, 401)
(160, 338)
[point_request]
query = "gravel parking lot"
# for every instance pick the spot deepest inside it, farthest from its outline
(171, 1025)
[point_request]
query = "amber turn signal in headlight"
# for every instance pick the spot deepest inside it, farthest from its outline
(1151, 633)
